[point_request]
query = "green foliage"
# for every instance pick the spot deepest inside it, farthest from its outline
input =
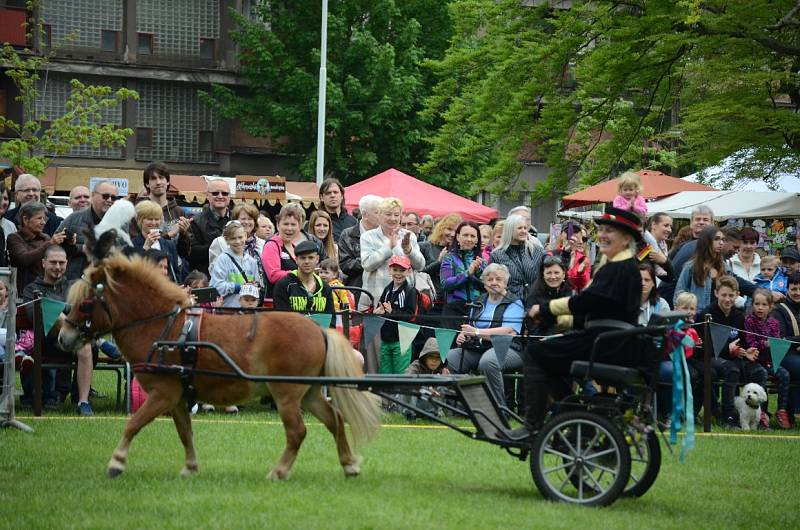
(607, 86)
(35, 142)
(375, 83)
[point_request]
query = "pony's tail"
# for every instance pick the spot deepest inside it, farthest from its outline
(358, 408)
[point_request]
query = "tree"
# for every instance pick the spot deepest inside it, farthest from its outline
(611, 85)
(375, 85)
(36, 142)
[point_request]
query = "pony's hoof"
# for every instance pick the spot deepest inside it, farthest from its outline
(277, 475)
(114, 472)
(187, 472)
(353, 469)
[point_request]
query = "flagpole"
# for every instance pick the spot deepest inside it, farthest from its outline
(323, 74)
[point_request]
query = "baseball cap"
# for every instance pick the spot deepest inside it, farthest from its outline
(248, 289)
(305, 247)
(400, 261)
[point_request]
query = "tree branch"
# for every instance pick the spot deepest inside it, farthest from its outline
(788, 19)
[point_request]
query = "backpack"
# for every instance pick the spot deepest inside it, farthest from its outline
(423, 305)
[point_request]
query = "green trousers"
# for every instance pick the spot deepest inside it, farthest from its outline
(392, 360)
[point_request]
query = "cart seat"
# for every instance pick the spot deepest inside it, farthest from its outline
(607, 374)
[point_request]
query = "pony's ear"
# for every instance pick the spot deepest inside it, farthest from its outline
(102, 246)
(90, 241)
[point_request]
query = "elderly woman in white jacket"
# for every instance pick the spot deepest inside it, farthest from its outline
(380, 244)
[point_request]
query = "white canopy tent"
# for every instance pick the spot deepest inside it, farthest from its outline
(730, 204)
(788, 182)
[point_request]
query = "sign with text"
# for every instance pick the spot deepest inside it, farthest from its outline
(255, 187)
(120, 183)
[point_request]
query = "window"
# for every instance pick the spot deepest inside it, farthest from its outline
(144, 138)
(109, 40)
(145, 44)
(208, 49)
(206, 142)
(47, 35)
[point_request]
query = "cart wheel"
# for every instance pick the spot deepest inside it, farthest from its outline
(645, 465)
(580, 458)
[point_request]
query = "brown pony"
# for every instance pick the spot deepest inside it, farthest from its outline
(127, 296)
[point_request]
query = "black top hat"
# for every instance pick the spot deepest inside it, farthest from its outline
(306, 247)
(625, 220)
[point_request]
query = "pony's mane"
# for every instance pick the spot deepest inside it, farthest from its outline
(150, 284)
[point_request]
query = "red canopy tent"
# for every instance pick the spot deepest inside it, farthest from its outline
(655, 184)
(418, 196)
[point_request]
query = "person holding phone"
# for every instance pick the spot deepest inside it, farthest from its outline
(574, 254)
(27, 246)
(460, 273)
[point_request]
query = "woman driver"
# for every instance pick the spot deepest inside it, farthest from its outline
(614, 294)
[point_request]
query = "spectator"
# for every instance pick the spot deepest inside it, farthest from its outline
(150, 218)
(486, 237)
(411, 222)
(551, 284)
(630, 189)
(724, 367)
(522, 260)
(320, 226)
(772, 275)
(572, 248)
(701, 217)
(79, 198)
(494, 242)
(398, 301)
(498, 312)
(302, 289)
(342, 299)
(429, 363)
(248, 296)
(435, 248)
(787, 313)
(652, 304)
(460, 274)
(264, 228)
(29, 189)
(54, 285)
(746, 263)
(426, 225)
(686, 302)
(6, 224)
(760, 326)
(104, 195)
(247, 215)
(278, 258)
(380, 244)
(302, 234)
(331, 196)
(683, 236)
(350, 240)
(156, 180)
(706, 266)
(659, 228)
(27, 246)
(234, 267)
(790, 260)
(208, 224)
(525, 213)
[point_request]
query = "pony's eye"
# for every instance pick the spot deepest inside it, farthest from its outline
(86, 306)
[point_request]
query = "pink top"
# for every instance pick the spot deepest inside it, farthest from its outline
(639, 204)
(276, 260)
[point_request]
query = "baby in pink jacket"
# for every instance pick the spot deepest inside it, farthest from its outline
(630, 197)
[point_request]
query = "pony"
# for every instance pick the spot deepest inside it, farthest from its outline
(128, 297)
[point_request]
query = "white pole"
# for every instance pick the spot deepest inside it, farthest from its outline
(323, 74)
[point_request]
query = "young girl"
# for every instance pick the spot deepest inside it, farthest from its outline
(761, 326)
(233, 267)
(630, 197)
(686, 302)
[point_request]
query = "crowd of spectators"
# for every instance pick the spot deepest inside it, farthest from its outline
(482, 280)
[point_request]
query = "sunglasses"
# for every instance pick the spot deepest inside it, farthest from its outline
(218, 193)
(233, 223)
(108, 196)
(552, 260)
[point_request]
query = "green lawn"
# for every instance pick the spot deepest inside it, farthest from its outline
(415, 476)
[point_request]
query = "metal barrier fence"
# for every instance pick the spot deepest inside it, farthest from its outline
(8, 379)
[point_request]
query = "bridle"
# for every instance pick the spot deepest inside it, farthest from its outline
(87, 306)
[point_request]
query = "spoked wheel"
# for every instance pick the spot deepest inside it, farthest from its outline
(580, 458)
(645, 464)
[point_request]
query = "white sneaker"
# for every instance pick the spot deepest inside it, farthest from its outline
(207, 407)
(233, 409)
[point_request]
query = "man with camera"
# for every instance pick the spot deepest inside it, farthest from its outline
(103, 196)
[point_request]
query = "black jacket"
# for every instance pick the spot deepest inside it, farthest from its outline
(787, 329)
(404, 306)
(206, 227)
(290, 294)
(341, 221)
(350, 255)
(734, 319)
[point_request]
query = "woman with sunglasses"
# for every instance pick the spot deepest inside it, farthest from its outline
(610, 302)
(700, 274)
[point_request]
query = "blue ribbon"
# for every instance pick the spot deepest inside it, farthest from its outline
(682, 398)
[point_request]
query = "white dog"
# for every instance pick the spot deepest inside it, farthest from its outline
(748, 404)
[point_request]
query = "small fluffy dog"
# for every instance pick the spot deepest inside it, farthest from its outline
(748, 404)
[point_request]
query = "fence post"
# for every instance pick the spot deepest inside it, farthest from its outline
(707, 353)
(8, 377)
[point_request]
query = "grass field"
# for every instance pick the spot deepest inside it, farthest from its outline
(414, 476)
